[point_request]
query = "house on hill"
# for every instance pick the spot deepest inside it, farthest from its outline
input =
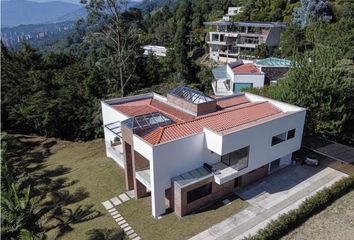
(188, 149)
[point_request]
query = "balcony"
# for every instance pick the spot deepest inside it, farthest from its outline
(143, 175)
(116, 152)
(224, 173)
(221, 87)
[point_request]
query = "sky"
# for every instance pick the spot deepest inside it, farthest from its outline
(69, 1)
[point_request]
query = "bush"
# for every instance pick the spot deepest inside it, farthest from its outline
(312, 205)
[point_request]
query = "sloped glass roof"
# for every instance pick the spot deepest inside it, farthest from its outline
(115, 127)
(274, 62)
(190, 95)
(220, 73)
(148, 120)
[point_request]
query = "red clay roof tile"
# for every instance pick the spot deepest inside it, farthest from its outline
(232, 101)
(140, 107)
(246, 68)
(218, 121)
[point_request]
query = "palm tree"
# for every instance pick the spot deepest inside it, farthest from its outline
(17, 210)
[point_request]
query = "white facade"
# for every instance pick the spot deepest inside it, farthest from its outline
(225, 86)
(158, 51)
(170, 159)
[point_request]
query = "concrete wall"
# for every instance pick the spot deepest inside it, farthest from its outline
(273, 38)
(181, 206)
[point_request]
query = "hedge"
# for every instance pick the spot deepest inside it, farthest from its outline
(312, 205)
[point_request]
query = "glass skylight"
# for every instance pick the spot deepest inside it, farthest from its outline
(148, 120)
(190, 95)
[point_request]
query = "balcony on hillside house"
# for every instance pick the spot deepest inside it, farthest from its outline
(115, 147)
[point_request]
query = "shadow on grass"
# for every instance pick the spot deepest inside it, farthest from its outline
(215, 205)
(105, 234)
(28, 156)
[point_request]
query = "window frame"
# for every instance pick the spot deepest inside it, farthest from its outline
(292, 134)
(199, 192)
(279, 138)
(227, 158)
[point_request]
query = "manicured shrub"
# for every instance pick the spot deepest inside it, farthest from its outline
(312, 205)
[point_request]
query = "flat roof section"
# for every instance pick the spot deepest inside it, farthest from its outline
(192, 177)
(247, 24)
(337, 151)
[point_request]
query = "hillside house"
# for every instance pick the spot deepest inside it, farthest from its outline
(188, 149)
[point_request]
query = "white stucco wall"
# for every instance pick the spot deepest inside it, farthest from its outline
(259, 138)
(285, 107)
(256, 79)
(172, 159)
(110, 115)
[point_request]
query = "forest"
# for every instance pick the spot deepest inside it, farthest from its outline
(55, 90)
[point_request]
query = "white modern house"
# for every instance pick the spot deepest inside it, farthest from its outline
(228, 41)
(234, 77)
(158, 51)
(232, 11)
(188, 149)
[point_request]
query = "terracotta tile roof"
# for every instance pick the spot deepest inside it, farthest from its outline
(231, 101)
(154, 136)
(140, 107)
(218, 121)
(246, 68)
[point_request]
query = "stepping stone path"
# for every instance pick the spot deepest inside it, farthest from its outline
(124, 197)
(107, 205)
(115, 201)
(110, 206)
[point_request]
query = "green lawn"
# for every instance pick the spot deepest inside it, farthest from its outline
(169, 227)
(79, 174)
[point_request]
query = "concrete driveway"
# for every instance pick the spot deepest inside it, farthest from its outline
(276, 194)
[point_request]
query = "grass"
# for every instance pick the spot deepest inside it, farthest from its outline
(335, 222)
(79, 174)
(169, 227)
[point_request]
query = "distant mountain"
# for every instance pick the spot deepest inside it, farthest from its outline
(36, 34)
(150, 5)
(16, 12)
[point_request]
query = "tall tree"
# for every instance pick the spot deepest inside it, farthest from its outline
(120, 34)
(312, 10)
(316, 83)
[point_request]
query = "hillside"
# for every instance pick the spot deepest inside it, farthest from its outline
(16, 12)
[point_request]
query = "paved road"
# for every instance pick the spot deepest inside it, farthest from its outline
(276, 194)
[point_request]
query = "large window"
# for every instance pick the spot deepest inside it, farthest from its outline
(238, 158)
(278, 138)
(238, 87)
(198, 193)
(291, 133)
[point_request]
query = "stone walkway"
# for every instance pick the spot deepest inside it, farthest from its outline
(277, 194)
(111, 205)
